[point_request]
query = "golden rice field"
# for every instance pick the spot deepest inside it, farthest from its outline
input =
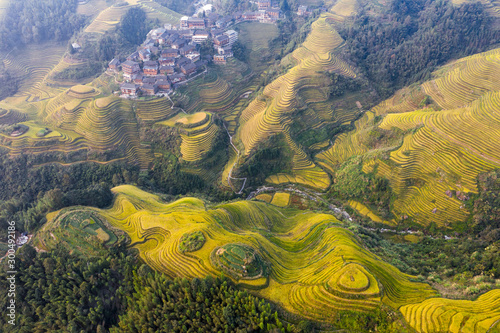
(198, 132)
(344, 7)
(92, 7)
(270, 114)
(31, 66)
(80, 120)
(442, 151)
(110, 17)
(154, 110)
(454, 316)
(316, 267)
(366, 211)
(281, 199)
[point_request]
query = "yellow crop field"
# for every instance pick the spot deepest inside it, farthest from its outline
(79, 119)
(363, 210)
(265, 197)
(442, 152)
(198, 133)
(310, 261)
(281, 199)
(30, 66)
(270, 115)
(111, 16)
(344, 7)
(454, 316)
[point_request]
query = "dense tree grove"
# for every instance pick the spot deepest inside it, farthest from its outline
(58, 291)
(406, 44)
(199, 305)
(273, 156)
(133, 26)
(486, 206)
(8, 84)
(180, 6)
(350, 182)
(36, 21)
(28, 192)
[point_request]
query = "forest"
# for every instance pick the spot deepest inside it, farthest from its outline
(414, 37)
(116, 293)
(36, 21)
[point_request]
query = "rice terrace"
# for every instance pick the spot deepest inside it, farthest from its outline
(241, 166)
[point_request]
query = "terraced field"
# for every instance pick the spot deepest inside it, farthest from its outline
(454, 316)
(366, 211)
(79, 230)
(443, 151)
(270, 114)
(31, 66)
(110, 17)
(310, 261)
(154, 110)
(198, 133)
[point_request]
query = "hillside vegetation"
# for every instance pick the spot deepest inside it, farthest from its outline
(265, 256)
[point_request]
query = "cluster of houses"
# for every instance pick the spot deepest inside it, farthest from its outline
(170, 55)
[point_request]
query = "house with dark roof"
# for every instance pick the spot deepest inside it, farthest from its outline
(149, 89)
(130, 69)
(138, 79)
(167, 61)
(145, 54)
(133, 56)
(148, 80)
(163, 84)
(186, 49)
(129, 89)
(150, 68)
(182, 61)
(221, 40)
(200, 36)
(176, 78)
(165, 70)
(170, 53)
(188, 68)
(178, 43)
(114, 65)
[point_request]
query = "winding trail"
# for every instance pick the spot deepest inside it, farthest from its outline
(229, 177)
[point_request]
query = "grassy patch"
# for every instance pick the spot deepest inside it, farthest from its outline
(191, 242)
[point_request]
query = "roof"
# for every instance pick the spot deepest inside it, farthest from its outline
(189, 65)
(128, 86)
(220, 38)
(201, 33)
(130, 63)
(151, 63)
(76, 45)
(196, 19)
(148, 87)
(114, 62)
(169, 51)
(149, 80)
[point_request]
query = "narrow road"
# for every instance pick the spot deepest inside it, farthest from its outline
(229, 177)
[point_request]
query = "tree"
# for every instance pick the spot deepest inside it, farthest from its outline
(133, 26)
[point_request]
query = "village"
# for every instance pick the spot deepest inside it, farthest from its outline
(170, 55)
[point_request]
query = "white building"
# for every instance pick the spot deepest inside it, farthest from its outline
(233, 36)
